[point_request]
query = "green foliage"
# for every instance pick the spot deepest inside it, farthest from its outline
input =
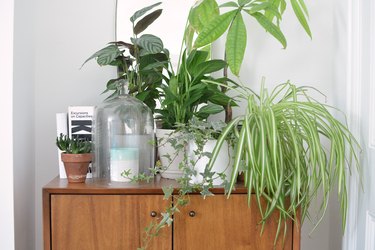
(74, 145)
(186, 91)
(268, 14)
(139, 63)
(282, 150)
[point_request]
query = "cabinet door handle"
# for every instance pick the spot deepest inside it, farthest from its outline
(192, 213)
(153, 214)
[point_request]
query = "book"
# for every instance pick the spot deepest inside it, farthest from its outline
(80, 121)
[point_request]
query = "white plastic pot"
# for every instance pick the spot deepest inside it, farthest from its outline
(223, 163)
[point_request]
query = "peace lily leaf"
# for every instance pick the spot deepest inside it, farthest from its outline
(229, 4)
(105, 56)
(214, 29)
(209, 67)
(236, 44)
(270, 27)
(208, 110)
(150, 43)
(203, 14)
(143, 11)
(147, 21)
(301, 16)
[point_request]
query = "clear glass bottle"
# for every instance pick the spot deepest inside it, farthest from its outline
(123, 135)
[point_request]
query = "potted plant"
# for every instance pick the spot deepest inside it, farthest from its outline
(139, 62)
(289, 147)
(185, 95)
(76, 156)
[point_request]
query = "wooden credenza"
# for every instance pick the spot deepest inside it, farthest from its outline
(101, 215)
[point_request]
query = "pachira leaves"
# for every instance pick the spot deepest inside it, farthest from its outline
(146, 21)
(214, 29)
(301, 13)
(270, 27)
(236, 44)
(268, 14)
(143, 11)
(203, 13)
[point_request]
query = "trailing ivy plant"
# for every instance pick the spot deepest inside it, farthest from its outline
(139, 61)
(282, 151)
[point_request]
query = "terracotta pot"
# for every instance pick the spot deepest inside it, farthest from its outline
(76, 166)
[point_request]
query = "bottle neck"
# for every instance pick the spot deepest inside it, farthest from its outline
(124, 89)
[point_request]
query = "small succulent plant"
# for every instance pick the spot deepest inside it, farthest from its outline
(74, 145)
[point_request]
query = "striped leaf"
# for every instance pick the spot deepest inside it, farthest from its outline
(142, 11)
(150, 43)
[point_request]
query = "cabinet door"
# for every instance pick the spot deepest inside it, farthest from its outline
(219, 223)
(104, 222)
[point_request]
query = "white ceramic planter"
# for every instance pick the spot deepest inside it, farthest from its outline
(223, 163)
(173, 172)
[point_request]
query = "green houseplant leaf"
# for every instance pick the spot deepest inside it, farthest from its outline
(105, 56)
(270, 27)
(150, 43)
(214, 29)
(300, 10)
(146, 21)
(236, 44)
(203, 14)
(143, 11)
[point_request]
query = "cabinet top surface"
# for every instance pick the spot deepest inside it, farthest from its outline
(103, 186)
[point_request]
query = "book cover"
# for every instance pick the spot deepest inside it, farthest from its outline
(80, 124)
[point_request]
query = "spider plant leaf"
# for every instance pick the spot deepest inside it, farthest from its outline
(237, 159)
(270, 27)
(301, 15)
(146, 21)
(142, 11)
(221, 140)
(214, 29)
(236, 44)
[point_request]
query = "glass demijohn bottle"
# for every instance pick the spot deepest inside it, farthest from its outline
(123, 135)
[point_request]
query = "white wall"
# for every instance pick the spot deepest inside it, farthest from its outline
(66, 33)
(6, 125)
(23, 125)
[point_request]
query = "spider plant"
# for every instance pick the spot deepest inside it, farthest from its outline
(290, 148)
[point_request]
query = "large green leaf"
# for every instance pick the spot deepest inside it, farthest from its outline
(105, 56)
(146, 21)
(142, 11)
(236, 44)
(214, 29)
(301, 15)
(208, 67)
(150, 43)
(270, 27)
(243, 2)
(208, 110)
(203, 13)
